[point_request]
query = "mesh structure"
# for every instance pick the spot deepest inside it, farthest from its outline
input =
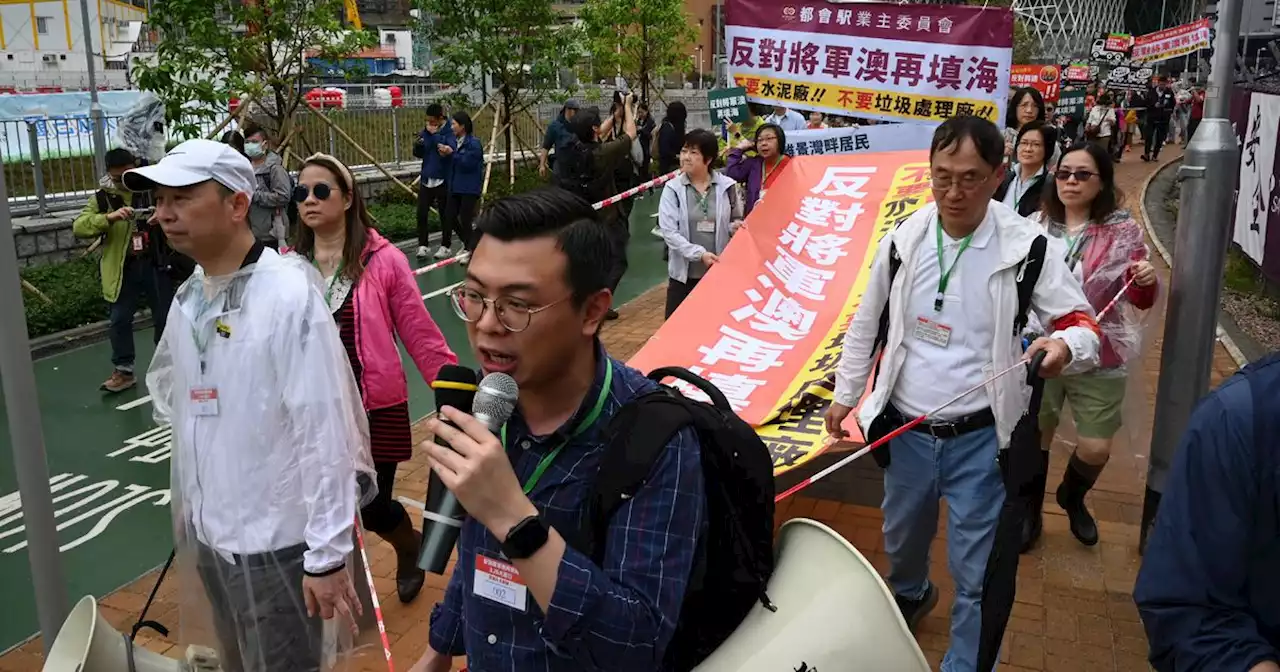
(1066, 28)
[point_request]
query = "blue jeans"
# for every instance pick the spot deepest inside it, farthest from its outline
(139, 279)
(963, 470)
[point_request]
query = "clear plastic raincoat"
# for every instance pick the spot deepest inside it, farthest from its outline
(270, 466)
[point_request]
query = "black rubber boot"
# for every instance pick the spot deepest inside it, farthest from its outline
(407, 541)
(1076, 483)
(1033, 522)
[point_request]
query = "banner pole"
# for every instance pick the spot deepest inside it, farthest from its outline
(17, 374)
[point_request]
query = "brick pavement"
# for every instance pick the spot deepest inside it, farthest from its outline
(1074, 610)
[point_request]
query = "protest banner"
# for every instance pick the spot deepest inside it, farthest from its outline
(1171, 42)
(1072, 101)
(766, 325)
(1076, 73)
(727, 105)
(1042, 78)
(1102, 52)
(880, 61)
(861, 140)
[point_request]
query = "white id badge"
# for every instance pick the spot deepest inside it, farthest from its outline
(706, 226)
(500, 582)
(932, 332)
(204, 401)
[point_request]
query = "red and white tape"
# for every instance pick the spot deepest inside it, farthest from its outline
(373, 595)
(462, 257)
(662, 179)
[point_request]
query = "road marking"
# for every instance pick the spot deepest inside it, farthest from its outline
(141, 401)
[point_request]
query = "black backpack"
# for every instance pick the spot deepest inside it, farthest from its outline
(735, 555)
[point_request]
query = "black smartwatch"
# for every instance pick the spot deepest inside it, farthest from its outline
(525, 539)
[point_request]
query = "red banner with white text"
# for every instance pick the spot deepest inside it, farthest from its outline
(766, 325)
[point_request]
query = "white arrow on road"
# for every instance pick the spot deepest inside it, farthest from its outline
(141, 401)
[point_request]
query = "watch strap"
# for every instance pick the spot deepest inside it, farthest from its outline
(525, 538)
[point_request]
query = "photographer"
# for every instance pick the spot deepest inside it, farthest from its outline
(136, 262)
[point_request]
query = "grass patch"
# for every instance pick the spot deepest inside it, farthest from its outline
(75, 288)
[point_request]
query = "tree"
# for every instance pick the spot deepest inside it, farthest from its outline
(644, 39)
(520, 45)
(210, 53)
(1026, 46)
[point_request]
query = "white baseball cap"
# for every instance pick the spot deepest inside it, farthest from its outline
(193, 162)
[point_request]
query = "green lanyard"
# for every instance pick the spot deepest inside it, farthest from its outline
(702, 200)
(591, 418)
(942, 266)
(1075, 249)
(328, 287)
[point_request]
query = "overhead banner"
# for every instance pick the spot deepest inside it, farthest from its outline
(1043, 78)
(767, 324)
(922, 63)
(862, 140)
(1171, 42)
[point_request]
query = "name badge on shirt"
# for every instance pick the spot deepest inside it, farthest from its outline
(706, 226)
(500, 582)
(204, 401)
(932, 332)
(138, 242)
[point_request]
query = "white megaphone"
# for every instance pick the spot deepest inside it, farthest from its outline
(87, 643)
(834, 613)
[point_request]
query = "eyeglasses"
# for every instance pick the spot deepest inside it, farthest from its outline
(1080, 175)
(967, 182)
(513, 314)
(1031, 144)
(302, 191)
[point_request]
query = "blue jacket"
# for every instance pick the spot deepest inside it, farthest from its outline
(1209, 587)
(558, 135)
(434, 166)
(466, 170)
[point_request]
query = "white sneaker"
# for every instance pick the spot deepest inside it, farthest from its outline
(443, 252)
(655, 232)
(423, 251)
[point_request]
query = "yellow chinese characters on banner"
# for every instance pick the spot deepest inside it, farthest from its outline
(853, 101)
(767, 324)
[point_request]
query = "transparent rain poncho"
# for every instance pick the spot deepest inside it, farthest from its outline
(270, 466)
(1113, 399)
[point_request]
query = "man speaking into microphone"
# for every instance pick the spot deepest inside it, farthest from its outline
(520, 598)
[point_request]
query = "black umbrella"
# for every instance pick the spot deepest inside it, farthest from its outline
(1022, 465)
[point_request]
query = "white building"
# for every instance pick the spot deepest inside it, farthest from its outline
(42, 42)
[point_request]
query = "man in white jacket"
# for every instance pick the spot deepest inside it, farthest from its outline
(951, 325)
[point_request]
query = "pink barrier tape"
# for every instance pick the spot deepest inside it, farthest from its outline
(441, 264)
(657, 181)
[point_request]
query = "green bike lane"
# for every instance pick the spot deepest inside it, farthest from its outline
(109, 462)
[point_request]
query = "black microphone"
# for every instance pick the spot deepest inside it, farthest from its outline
(442, 516)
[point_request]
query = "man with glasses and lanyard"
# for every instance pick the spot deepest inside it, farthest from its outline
(536, 293)
(951, 309)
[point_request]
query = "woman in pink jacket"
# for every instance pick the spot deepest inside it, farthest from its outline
(374, 297)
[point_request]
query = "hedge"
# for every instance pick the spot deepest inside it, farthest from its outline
(75, 287)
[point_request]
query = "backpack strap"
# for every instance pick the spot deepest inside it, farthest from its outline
(882, 333)
(1028, 276)
(634, 438)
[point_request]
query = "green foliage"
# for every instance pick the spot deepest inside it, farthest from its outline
(75, 288)
(521, 44)
(645, 39)
(396, 212)
(212, 52)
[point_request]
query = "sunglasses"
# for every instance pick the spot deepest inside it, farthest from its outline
(1080, 175)
(302, 191)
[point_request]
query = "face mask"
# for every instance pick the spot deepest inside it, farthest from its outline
(254, 149)
(107, 182)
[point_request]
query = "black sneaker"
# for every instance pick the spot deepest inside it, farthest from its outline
(915, 610)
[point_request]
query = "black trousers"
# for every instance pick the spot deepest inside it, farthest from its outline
(619, 229)
(258, 611)
(1157, 133)
(677, 292)
(460, 214)
(384, 514)
(1191, 130)
(430, 197)
(140, 281)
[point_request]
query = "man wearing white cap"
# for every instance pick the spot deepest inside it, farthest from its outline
(270, 441)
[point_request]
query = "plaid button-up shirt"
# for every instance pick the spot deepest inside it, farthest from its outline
(615, 618)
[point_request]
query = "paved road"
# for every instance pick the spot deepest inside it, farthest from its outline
(109, 467)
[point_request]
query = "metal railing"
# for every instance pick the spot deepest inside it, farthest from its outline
(48, 163)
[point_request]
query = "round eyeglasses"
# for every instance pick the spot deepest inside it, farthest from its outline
(513, 314)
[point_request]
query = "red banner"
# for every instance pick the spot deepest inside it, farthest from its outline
(1171, 42)
(1044, 78)
(766, 325)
